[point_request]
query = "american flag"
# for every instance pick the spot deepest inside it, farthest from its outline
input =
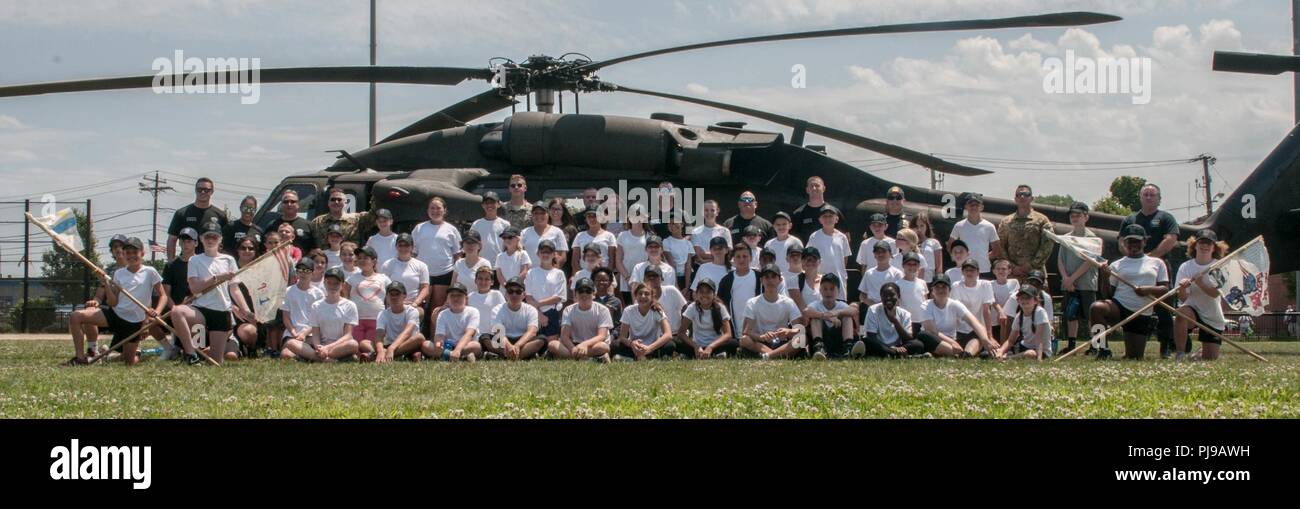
(154, 247)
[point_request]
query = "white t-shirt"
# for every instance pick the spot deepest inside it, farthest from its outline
(485, 303)
(978, 237)
(702, 323)
(913, 295)
(515, 322)
(452, 325)
(876, 322)
(811, 290)
(866, 251)
(1010, 307)
(672, 300)
(768, 316)
(742, 289)
(531, 239)
(489, 234)
(331, 318)
(368, 294)
(681, 251)
(511, 264)
(436, 245)
(932, 250)
(385, 247)
(465, 273)
(950, 319)
(1144, 271)
(394, 324)
(702, 235)
(140, 285)
(332, 259)
(781, 248)
(711, 271)
(1002, 292)
(1040, 320)
(665, 269)
(298, 303)
(820, 307)
(586, 324)
(603, 241)
(1209, 309)
(411, 273)
(972, 298)
(632, 250)
(644, 328)
(203, 267)
(954, 274)
(834, 249)
(542, 283)
(874, 278)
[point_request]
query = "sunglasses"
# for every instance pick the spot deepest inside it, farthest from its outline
(246, 248)
(747, 199)
(337, 200)
(894, 197)
(1024, 195)
(248, 210)
(288, 201)
(304, 271)
(516, 186)
(514, 291)
(203, 190)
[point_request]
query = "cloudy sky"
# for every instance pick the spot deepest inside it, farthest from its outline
(973, 94)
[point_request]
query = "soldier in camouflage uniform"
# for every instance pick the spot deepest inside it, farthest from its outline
(518, 211)
(1021, 234)
(337, 202)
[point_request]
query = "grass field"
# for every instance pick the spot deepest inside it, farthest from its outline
(33, 385)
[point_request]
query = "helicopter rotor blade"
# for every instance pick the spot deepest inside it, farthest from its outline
(1255, 63)
(456, 115)
(1060, 19)
(351, 74)
(894, 151)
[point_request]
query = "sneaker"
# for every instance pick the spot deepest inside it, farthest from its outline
(604, 358)
(764, 356)
(490, 356)
(470, 358)
(719, 355)
(76, 362)
(193, 359)
(985, 354)
(800, 338)
(1103, 354)
(819, 352)
(621, 358)
(859, 349)
(925, 355)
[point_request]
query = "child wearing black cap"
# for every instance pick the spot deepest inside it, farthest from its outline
(332, 321)
(455, 336)
(1031, 327)
(385, 242)
(833, 245)
(595, 235)
(545, 289)
(769, 320)
(783, 243)
(215, 271)
(512, 261)
(585, 328)
(465, 268)
(490, 227)
(518, 321)
(707, 325)
(120, 315)
(398, 326)
(719, 263)
(950, 328)
(1151, 278)
(876, 235)
(1078, 277)
(366, 289)
(645, 332)
(979, 235)
(830, 321)
(654, 250)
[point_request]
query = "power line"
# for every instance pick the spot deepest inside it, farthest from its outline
(1083, 163)
(70, 189)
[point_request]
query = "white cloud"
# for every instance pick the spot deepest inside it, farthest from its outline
(697, 89)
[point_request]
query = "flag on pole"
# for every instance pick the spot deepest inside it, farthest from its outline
(64, 225)
(1081, 246)
(267, 278)
(1243, 280)
(156, 248)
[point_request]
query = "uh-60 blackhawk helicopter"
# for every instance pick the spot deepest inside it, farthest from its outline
(562, 154)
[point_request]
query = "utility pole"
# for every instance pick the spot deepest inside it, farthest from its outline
(156, 188)
(373, 44)
(1206, 161)
(1295, 83)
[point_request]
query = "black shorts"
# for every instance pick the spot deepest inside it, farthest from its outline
(964, 337)
(552, 327)
(1021, 348)
(442, 280)
(1143, 325)
(120, 328)
(1203, 336)
(213, 320)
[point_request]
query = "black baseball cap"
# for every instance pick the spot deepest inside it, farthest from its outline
(591, 248)
(211, 229)
(1028, 290)
(970, 262)
(135, 243)
(510, 231)
(651, 270)
(794, 249)
(396, 286)
(770, 268)
(545, 245)
(405, 238)
(882, 246)
(334, 228)
(491, 196)
(812, 252)
(1207, 234)
(336, 273)
(305, 263)
(1134, 231)
(717, 242)
(539, 205)
(514, 281)
(752, 230)
(1079, 206)
(878, 218)
(970, 197)
(457, 287)
(1035, 274)
(767, 252)
(584, 285)
(186, 233)
(121, 239)
(654, 240)
(591, 211)
(959, 243)
(941, 279)
(829, 209)
(368, 252)
(472, 236)
(831, 278)
(911, 256)
(782, 215)
(384, 214)
(706, 282)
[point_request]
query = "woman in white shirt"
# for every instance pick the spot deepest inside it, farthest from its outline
(436, 244)
(1200, 294)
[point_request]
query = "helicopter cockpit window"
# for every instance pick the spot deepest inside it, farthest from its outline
(306, 203)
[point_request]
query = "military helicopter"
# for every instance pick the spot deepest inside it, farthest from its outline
(445, 155)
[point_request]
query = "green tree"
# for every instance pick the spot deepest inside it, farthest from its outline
(1128, 191)
(1055, 199)
(59, 265)
(1111, 205)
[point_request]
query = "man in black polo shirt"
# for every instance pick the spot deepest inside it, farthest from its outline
(302, 231)
(748, 216)
(895, 218)
(806, 217)
(1162, 237)
(237, 230)
(195, 215)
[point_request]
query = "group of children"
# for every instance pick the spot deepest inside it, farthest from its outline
(498, 292)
